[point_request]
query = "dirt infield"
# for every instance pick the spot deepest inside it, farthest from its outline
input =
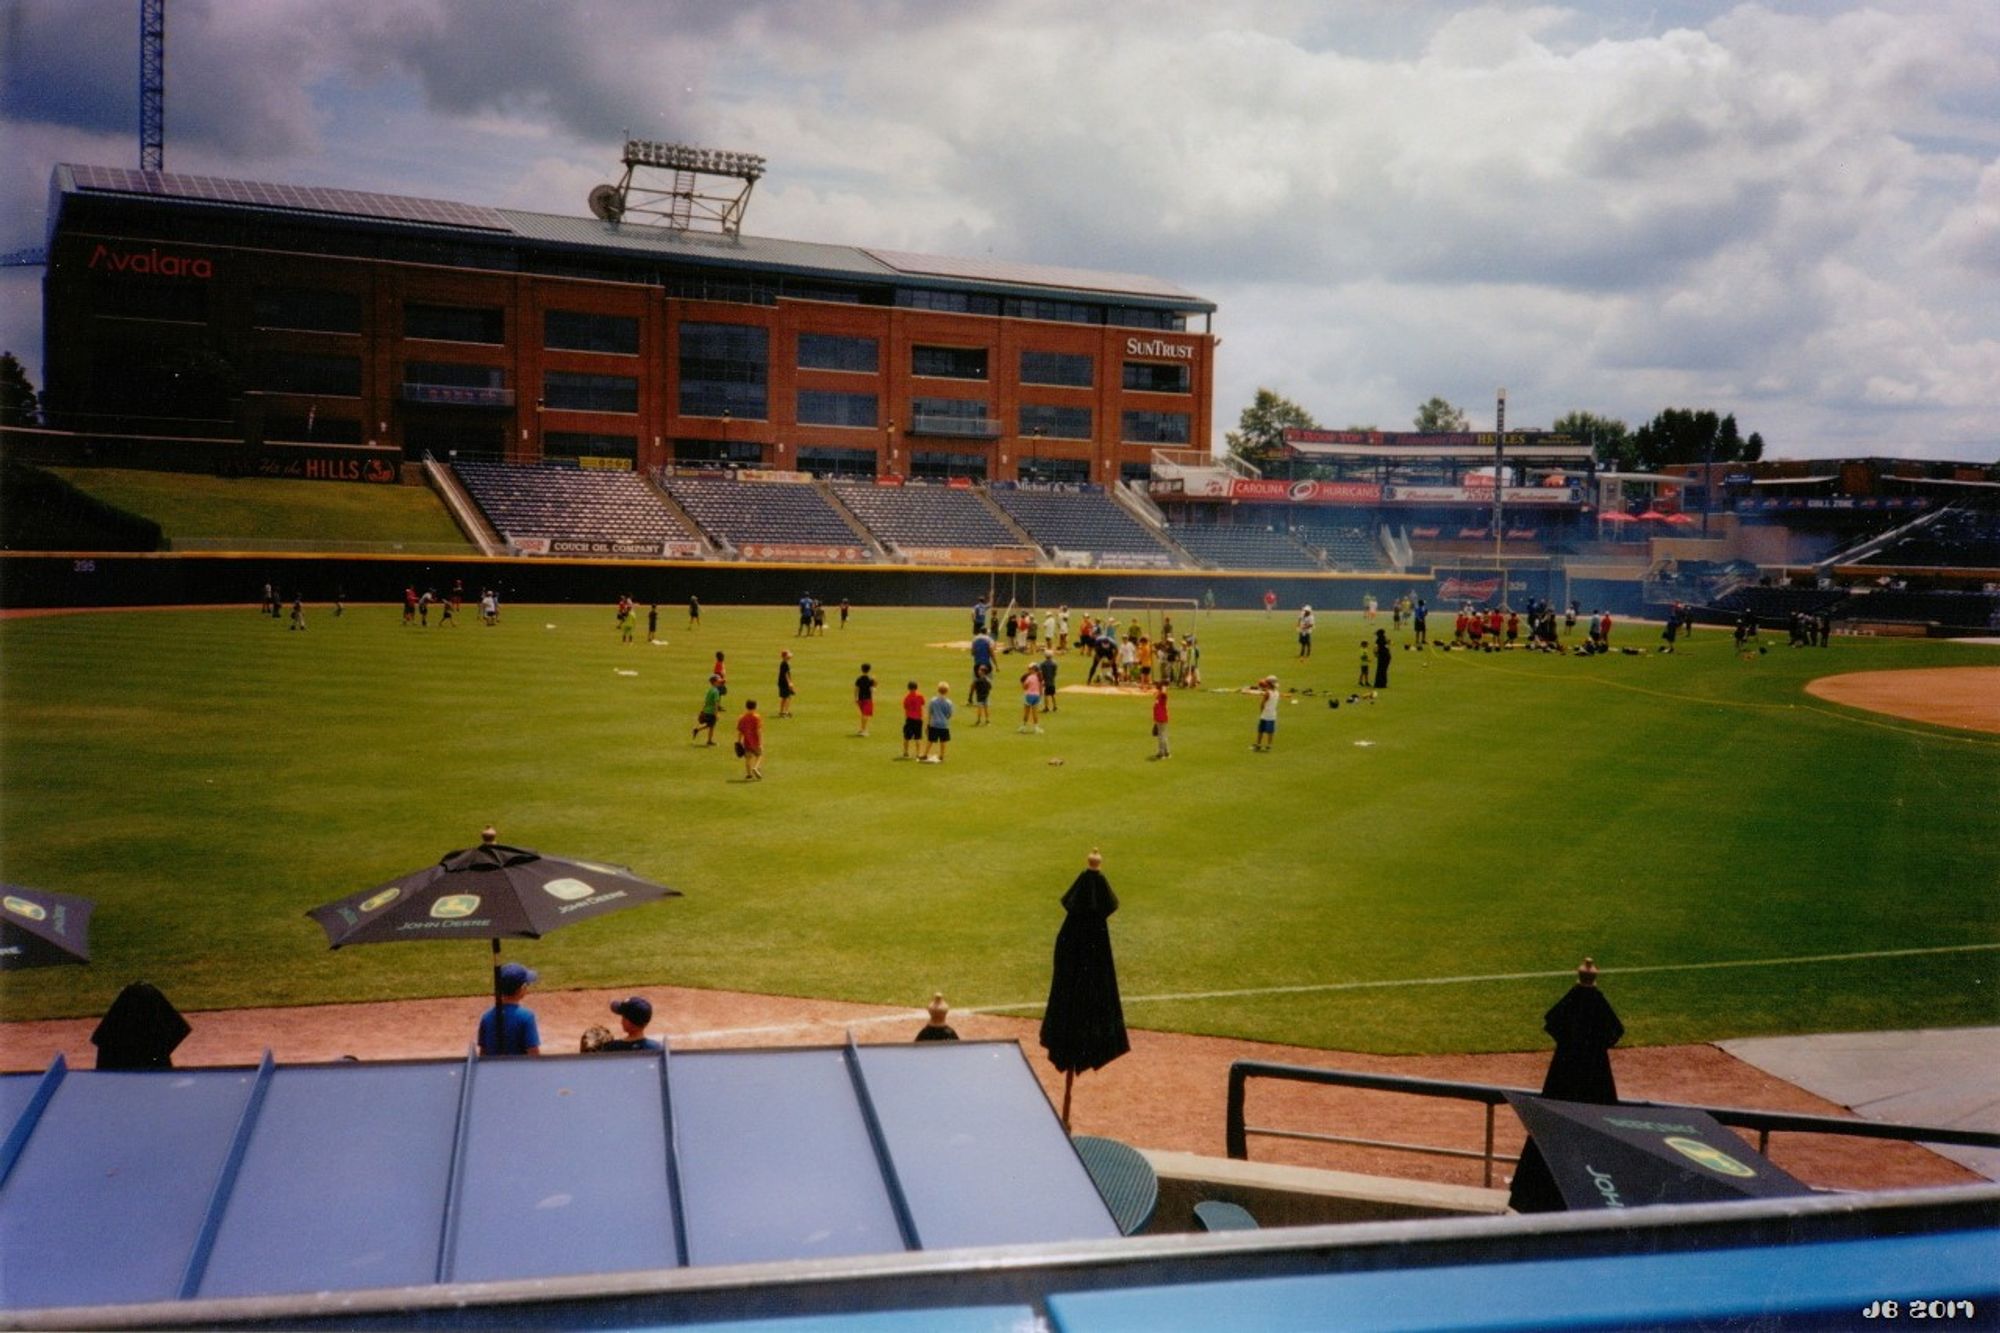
(1963, 697)
(1168, 1093)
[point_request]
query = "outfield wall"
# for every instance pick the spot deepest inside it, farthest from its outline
(30, 580)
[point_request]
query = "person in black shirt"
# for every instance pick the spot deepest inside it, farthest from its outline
(864, 698)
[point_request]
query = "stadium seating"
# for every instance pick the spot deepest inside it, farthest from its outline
(926, 516)
(1961, 610)
(1957, 538)
(1073, 521)
(1346, 546)
(1230, 546)
(759, 513)
(1777, 603)
(564, 502)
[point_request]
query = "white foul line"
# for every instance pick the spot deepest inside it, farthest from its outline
(1317, 987)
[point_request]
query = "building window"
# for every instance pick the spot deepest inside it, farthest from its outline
(837, 462)
(306, 373)
(938, 464)
(455, 324)
(165, 301)
(1133, 317)
(586, 444)
(1157, 376)
(837, 351)
(581, 331)
(818, 407)
(1069, 470)
(1155, 428)
(729, 453)
(739, 291)
(571, 392)
(1136, 473)
(951, 416)
(724, 368)
(1061, 368)
(308, 309)
(1068, 312)
(1056, 423)
(312, 428)
(956, 303)
(455, 375)
(949, 363)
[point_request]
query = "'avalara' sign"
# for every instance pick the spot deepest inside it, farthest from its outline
(1159, 347)
(150, 263)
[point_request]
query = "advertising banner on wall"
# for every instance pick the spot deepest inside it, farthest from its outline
(1540, 497)
(797, 551)
(332, 462)
(969, 555)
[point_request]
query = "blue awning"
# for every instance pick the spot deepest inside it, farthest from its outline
(240, 1182)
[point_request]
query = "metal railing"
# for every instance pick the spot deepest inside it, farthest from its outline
(1493, 1095)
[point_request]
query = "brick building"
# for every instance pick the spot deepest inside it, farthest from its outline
(191, 306)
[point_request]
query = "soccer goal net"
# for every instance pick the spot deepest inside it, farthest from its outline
(1184, 612)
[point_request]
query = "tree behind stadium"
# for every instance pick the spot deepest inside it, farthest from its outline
(1259, 437)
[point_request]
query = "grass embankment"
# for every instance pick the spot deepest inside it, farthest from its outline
(209, 776)
(253, 509)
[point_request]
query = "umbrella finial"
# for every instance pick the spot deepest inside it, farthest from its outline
(1586, 972)
(489, 835)
(1095, 860)
(938, 1009)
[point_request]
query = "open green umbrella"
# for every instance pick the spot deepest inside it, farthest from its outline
(489, 892)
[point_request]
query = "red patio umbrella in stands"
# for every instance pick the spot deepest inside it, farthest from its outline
(1680, 518)
(485, 892)
(1616, 516)
(1083, 1025)
(1652, 516)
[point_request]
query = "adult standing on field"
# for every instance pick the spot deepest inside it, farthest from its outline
(1306, 624)
(694, 611)
(1270, 601)
(785, 690)
(1420, 620)
(1384, 654)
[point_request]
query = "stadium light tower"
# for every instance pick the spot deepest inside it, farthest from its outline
(683, 198)
(1499, 484)
(152, 85)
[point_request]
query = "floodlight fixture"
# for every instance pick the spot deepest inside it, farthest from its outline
(682, 200)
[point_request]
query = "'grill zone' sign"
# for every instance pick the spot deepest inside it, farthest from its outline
(153, 263)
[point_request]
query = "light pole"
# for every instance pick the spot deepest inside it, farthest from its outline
(1499, 479)
(889, 438)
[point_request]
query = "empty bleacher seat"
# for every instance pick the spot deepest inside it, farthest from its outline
(1078, 521)
(1226, 546)
(563, 503)
(761, 513)
(1346, 545)
(926, 516)
(1956, 538)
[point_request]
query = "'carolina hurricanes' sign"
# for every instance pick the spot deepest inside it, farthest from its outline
(150, 263)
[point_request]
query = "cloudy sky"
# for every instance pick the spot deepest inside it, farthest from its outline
(1789, 211)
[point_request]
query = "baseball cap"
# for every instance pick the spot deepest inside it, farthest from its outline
(513, 976)
(637, 1008)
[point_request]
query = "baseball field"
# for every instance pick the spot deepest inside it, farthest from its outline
(1406, 874)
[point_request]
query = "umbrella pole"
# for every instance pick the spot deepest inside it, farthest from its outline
(1069, 1079)
(499, 1030)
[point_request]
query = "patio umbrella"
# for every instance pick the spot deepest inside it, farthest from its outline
(1616, 516)
(1680, 518)
(1631, 1156)
(1652, 516)
(39, 928)
(485, 892)
(1083, 1025)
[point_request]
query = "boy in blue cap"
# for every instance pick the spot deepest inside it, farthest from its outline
(509, 1027)
(633, 1015)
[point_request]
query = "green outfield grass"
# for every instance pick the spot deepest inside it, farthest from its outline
(189, 505)
(208, 776)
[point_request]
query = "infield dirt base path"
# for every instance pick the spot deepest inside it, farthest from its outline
(1168, 1093)
(1963, 697)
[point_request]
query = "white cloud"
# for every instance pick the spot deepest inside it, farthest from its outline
(1792, 215)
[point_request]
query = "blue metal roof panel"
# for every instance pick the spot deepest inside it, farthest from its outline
(565, 1170)
(965, 1124)
(952, 1319)
(343, 1182)
(776, 1162)
(16, 1091)
(1826, 1283)
(106, 1200)
(757, 252)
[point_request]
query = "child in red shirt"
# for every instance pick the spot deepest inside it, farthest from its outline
(1160, 720)
(913, 718)
(750, 738)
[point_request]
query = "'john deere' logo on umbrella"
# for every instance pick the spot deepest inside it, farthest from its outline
(381, 899)
(1702, 1154)
(22, 907)
(455, 905)
(569, 890)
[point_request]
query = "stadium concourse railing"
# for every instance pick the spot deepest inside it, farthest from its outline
(1237, 1132)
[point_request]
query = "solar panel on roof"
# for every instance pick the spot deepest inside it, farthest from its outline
(299, 198)
(1028, 275)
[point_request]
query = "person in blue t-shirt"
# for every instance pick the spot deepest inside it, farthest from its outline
(509, 1027)
(633, 1015)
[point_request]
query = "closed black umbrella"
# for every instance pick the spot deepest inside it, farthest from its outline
(39, 928)
(1083, 1026)
(486, 892)
(1585, 1028)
